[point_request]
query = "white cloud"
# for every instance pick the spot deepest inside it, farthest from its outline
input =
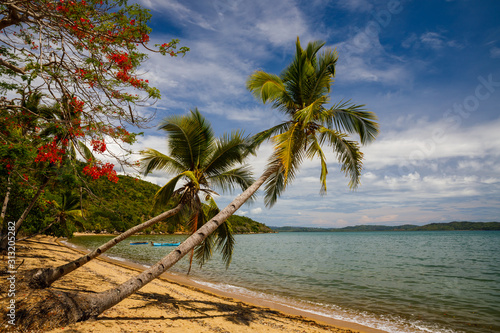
(495, 52)
(431, 39)
(356, 5)
(256, 211)
(362, 58)
(418, 170)
(425, 141)
(179, 10)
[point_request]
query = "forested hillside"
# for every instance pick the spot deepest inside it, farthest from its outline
(128, 203)
(115, 207)
(463, 225)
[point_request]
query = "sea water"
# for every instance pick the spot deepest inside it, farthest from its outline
(436, 281)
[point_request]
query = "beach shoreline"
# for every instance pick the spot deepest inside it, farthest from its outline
(166, 309)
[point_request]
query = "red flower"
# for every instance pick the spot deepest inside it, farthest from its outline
(98, 145)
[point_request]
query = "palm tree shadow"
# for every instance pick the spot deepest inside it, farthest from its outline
(239, 313)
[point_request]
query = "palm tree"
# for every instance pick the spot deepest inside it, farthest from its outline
(200, 162)
(67, 211)
(300, 92)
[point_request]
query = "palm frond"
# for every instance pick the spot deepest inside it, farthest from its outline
(228, 180)
(313, 48)
(354, 119)
(226, 242)
(309, 113)
(204, 251)
(154, 160)
(75, 213)
(260, 137)
(162, 197)
(275, 184)
(314, 149)
(289, 149)
(348, 154)
(225, 239)
(189, 137)
(265, 86)
(85, 151)
(229, 150)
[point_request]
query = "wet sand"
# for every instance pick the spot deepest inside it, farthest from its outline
(171, 303)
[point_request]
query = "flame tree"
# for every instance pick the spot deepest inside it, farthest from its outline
(85, 57)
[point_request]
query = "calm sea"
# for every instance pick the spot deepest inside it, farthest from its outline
(395, 281)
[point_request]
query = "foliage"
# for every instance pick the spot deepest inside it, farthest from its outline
(116, 207)
(199, 162)
(20, 198)
(301, 93)
(111, 208)
(245, 225)
(83, 57)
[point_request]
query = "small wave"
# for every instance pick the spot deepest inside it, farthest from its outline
(390, 324)
(117, 258)
(68, 244)
(228, 288)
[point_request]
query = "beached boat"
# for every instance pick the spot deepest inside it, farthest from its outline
(138, 243)
(165, 244)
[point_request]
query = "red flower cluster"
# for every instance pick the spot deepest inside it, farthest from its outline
(77, 105)
(125, 64)
(81, 72)
(96, 171)
(7, 162)
(51, 152)
(98, 145)
(122, 60)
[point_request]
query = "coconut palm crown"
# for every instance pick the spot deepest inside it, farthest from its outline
(302, 92)
(200, 162)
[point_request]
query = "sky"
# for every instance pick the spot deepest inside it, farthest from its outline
(429, 69)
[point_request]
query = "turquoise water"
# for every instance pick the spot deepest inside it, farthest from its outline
(395, 281)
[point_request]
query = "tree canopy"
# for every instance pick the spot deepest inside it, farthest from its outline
(84, 56)
(71, 80)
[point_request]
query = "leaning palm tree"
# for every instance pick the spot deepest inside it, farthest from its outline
(201, 161)
(302, 93)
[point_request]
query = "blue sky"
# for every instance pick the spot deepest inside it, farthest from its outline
(429, 69)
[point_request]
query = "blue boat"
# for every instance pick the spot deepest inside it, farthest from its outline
(138, 243)
(165, 244)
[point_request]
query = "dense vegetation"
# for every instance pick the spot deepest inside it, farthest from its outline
(129, 202)
(116, 207)
(407, 227)
(245, 225)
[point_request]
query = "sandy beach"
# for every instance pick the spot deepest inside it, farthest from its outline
(169, 304)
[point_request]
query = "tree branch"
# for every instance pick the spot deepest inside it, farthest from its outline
(12, 67)
(12, 19)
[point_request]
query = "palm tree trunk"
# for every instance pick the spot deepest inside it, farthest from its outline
(5, 203)
(44, 277)
(84, 306)
(3, 242)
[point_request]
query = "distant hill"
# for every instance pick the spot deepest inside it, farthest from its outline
(463, 225)
(128, 202)
(245, 225)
